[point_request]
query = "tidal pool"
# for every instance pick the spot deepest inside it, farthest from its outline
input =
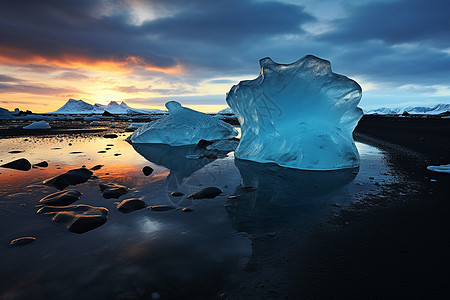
(149, 254)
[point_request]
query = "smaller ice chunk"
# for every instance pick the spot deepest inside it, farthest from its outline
(38, 125)
(440, 169)
(183, 126)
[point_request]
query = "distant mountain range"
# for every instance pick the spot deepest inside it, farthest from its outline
(80, 107)
(425, 110)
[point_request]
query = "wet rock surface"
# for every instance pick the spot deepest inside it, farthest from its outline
(112, 190)
(21, 164)
(61, 198)
(77, 218)
(129, 205)
(209, 193)
(71, 177)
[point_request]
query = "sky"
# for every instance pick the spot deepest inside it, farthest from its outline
(149, 52)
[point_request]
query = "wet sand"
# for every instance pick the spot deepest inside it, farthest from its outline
(391, 245)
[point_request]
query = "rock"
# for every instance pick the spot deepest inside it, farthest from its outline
(110, 136)
(176, 194)
(21, 164)
(101, 151)
(42, 164)
(112, 190)
(187, 209)
(117, 154)
(209, 192)
(61, 198)
(77, 218)
(22, 241)
(71, 177)
(202, 144)
(147, 170)
(15, 151)
(129, 205)
(97, 167)
(161, 207)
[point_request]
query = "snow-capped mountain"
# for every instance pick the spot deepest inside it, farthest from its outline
(428, 110)
(81, 107)
(75, 107)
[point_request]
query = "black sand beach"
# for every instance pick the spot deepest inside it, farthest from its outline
(392, 245)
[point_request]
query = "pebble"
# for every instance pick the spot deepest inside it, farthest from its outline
(22, 241)
(112, 190)
(71, 177)
(42, 164)
(176, 194)
(147, 170)
(161, 207)
(209, 192)
(129, 205)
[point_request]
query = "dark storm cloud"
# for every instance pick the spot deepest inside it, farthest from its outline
(33, 89)
(224, 22)
(62, 29)
(7, 78)
(396, 22)
(69, 75)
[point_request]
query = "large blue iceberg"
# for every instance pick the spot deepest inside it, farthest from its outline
(183, 126)
(299, 115)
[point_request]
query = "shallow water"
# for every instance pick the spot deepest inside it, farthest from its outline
(177, 255)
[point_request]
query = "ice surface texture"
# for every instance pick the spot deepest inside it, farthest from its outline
(183, 126)
(299, 115)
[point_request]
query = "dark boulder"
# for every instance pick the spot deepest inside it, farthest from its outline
(21, 164)
(77, 218)
(112, 190)
(71, 177)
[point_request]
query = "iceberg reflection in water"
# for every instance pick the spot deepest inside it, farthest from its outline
(175, 158)
(271, 197)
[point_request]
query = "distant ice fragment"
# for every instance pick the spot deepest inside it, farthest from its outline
(299, 115)
(38, 125)
(441, 168)
(183, 126)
